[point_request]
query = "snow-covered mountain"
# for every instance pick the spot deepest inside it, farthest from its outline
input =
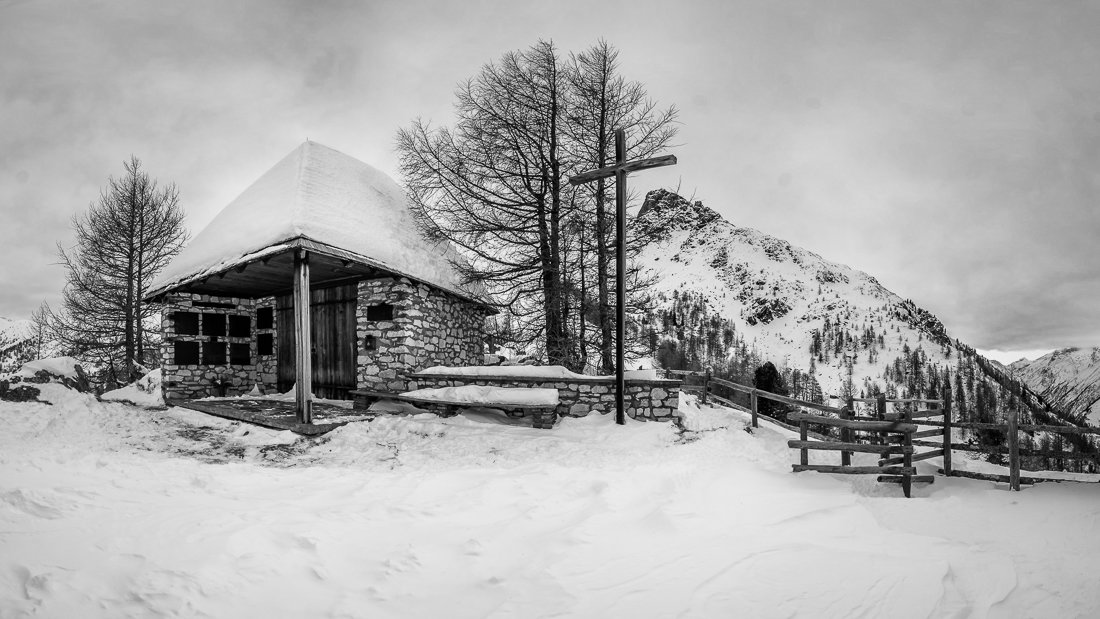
(732, 297)
(15, 342)
(1068, 378)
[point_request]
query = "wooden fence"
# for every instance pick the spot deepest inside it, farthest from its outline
(1012, 430)
(897, 443)
(890, 435)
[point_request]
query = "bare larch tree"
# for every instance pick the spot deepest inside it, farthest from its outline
(122, 241)
(496, 186)
(601, 102)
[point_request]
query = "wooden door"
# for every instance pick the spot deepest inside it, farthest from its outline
(332, 333)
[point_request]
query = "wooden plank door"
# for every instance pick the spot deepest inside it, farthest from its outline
(332, 321)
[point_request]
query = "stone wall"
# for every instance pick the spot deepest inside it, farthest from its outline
(655, 400)
(209, 347)
(428, 327)
(267, 366)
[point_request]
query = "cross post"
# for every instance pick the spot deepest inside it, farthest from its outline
(619, 170)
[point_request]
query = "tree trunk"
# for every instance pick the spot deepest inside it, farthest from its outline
(557, 350)
(140, 284)
(128, 315)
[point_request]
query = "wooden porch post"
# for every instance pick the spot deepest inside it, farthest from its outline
(302, 345)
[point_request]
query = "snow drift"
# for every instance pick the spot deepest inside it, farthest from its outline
(109, 510)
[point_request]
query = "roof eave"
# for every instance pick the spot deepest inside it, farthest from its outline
(304, 242)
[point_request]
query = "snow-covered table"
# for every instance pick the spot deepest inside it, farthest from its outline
(540, 403)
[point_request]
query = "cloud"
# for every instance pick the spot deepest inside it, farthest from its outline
(947, 148)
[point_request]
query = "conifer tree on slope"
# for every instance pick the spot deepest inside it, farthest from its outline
(123, 240)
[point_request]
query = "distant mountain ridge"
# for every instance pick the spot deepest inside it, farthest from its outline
(1068, 378)
(730, 298)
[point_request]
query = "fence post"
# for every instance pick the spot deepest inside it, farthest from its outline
(754, 401)
(847, 435)
(907, 458)
(946, 432)
(706, 384)
(880, 412)
(803, 435)
(1013, 450)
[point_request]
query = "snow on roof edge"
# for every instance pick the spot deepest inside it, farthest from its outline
(296, 242)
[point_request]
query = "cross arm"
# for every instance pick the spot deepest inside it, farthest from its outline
(630, 166)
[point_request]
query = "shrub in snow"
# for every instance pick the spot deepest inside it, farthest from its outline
(767, 378)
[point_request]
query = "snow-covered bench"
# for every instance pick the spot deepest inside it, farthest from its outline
(540, 403)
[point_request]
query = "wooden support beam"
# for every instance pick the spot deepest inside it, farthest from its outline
(907, 461)
(852, 470)
(992, 477)
(303, 347)
(946, 430)
(867, 426)
(754, 403)
(898, 479)
(1013, 449)
(706, 385)
(857, 447)
(927, 455)
(846, 434)
(916, 415)
(803, 430)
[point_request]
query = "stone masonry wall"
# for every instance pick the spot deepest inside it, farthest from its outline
(655, 400)
(428, 327)
(267, 366)
(226, 361)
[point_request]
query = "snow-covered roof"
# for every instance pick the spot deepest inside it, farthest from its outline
(321, 195)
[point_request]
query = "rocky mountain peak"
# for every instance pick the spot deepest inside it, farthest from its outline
(664, 211)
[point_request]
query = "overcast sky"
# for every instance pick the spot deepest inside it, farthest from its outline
(950, 149)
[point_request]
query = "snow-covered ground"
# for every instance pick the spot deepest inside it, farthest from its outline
(108, 510)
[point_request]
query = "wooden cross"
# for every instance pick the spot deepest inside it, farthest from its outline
(619, 170)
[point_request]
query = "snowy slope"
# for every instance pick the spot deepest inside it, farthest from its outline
(107, 510)
(776, 294)
(718, 283)
(1069, 378)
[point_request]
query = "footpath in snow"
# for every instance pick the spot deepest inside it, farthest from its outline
(110, 510)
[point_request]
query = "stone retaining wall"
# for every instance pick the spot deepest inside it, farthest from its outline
(654, 400)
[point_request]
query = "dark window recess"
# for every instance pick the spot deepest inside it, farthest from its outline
(240, 354)
(369, 343)
(383, 311)
(187, 353)
(265, 344)
(187, 323)
(213, 324)
(213, 353)
(212, 305)
(240, 326)
(265, 318)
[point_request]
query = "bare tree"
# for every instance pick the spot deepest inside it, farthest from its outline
(122, 242)
(40, 321)
(602, 101)
(496, 186)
